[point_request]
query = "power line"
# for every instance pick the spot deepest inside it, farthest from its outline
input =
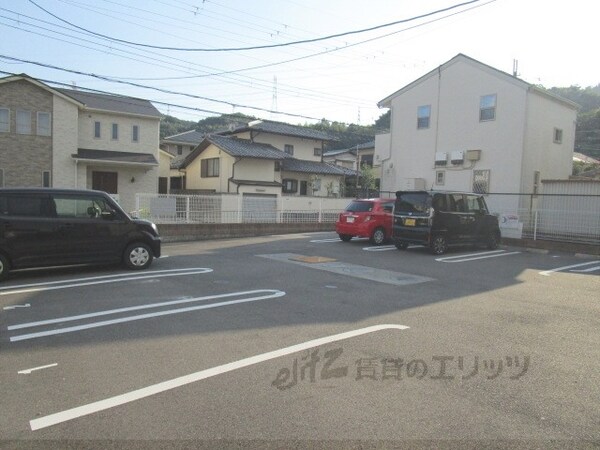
(254, 82)
(257, 47)
(165, 91)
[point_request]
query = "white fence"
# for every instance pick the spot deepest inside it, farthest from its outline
(559, 217)
(237, 208)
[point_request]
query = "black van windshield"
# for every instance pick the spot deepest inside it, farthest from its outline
(413, 202)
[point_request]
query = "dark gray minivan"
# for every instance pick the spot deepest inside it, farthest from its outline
(440, 219)
(53, 227)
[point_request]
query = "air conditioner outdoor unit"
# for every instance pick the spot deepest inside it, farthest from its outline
(457, 157)
(441, 158)
(473, 155)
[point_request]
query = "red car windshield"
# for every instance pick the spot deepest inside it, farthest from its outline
(357, 206)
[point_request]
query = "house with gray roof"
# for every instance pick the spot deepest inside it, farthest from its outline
(263, 158)
(54, 137)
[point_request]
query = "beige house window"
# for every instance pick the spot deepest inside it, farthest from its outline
(4, 120)
(289, 149)
(1, 177)
(44, 124)
(23, 122)
(135, 133)
(97, 130)
(209, 167)
(115, 131)
(46, 178)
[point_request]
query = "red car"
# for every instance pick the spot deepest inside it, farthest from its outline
(370, 218)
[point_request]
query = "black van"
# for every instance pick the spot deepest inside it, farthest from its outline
(440, 219)
(52, 227)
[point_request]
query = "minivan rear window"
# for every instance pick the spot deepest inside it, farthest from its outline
(23, 205)
(413, 202)
(360, 207)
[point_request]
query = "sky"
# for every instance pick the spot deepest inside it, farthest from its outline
(338, 79)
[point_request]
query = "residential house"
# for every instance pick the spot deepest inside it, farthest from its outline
(180, 146)
(263, 158)
(470, 127)
(355, 158)
(67, 138)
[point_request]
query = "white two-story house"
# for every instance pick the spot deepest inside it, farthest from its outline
(470, 127)
(66, 138)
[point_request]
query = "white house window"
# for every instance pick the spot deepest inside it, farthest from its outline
(440, 177)
(423, 115)
(481, 181)
(180, 149)
(23, 122)
(4, 120)
(290, 186)
(209, 167)
(487, 108)
(277, 166)
(1, 177)
(289, 149)
(135, 133)
(558, 134)
(115, 131)
(317, 152)
(43, 124)
(97, 130)
(46, 178)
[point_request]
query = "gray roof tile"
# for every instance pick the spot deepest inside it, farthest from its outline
(112, 156)
(286, 129)
(189, 137)
(116, 103)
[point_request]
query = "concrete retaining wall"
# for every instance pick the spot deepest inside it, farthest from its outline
(200, 232)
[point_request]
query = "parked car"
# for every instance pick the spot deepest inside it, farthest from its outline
(441, 219)
(51, 227)
(370, 218)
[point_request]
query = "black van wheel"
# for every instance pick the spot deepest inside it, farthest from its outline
(378, 236)
(493, 241)
(4, 266)
(401, 245)
(438, 245)
(345, 237)
(137, 256)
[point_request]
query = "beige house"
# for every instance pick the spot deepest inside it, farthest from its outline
(470, 127)
(356, 157)
(67, 138)
(263, 158)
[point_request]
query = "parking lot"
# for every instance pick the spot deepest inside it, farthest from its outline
(300, 338)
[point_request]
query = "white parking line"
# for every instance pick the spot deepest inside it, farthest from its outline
(558, 269)
(327, 240)
(475, 256)
(28, 371)
(26, 305)
(379, 248)
(268, 294)
(88, 281)
(591, 269)
(148, 391)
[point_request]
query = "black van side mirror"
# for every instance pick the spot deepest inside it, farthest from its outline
(108, 215)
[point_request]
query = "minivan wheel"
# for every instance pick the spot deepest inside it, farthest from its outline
(493, 241)
(438, 245)
(378, 236)
(137, 256)
(4, 266)
(345, 237)
(401, 245)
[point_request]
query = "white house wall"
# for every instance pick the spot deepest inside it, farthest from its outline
(64, 143)
(552, 160)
